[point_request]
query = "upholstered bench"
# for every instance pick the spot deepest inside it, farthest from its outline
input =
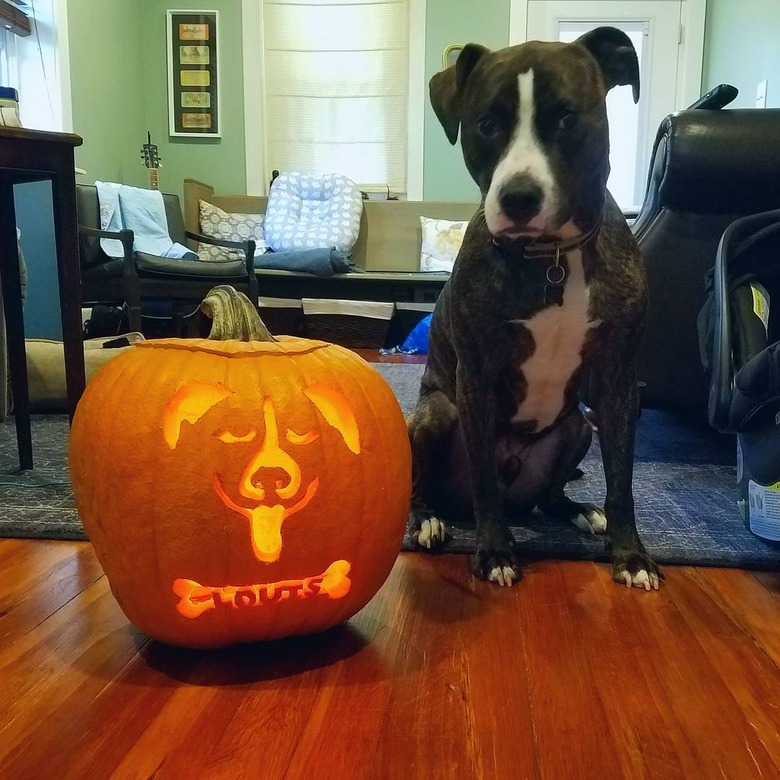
(386, 255)
(386, 258)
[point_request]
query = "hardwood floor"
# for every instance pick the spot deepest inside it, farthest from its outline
(566, 675)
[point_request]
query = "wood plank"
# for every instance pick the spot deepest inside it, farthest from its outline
(458, 706)
(707, 716)
(565, 675)
(627, 669)
(748, 597)
(285, 687)
(25, 561)
(751, 676)
(51, 677)
(36, 586)
(562, 609)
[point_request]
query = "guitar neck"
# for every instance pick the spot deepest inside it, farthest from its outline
(153, 180)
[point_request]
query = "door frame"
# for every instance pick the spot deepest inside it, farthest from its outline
(690, 55)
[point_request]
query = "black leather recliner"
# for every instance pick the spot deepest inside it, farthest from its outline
(707, 169)
(138, 276)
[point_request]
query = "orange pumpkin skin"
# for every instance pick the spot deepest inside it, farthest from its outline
(237, 492)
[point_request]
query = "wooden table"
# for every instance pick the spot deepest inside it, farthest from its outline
(25, 156)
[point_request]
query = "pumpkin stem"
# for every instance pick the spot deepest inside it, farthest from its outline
(233, 316)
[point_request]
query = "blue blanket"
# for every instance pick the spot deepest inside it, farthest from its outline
(143, 212)
(321, 262)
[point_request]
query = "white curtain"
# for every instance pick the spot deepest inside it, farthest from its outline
(336, 76)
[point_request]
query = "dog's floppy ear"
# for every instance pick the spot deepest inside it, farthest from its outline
(446, 88)
(615, 53)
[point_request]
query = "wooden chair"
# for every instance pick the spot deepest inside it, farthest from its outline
(138, 277)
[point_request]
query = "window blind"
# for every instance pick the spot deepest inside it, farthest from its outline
(336, 78)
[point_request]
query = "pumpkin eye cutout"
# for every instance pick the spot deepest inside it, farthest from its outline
(229, 438)
(301, 438)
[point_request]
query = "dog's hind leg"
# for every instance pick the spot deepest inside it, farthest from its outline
(553, 501)
(430, 426)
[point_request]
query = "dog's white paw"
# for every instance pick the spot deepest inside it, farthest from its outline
(642, 579)
(503, 575)
(592, 521)
(432, 533)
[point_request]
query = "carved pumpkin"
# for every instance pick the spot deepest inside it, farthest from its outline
(240, 491)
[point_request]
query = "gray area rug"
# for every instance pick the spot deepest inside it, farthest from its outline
(684, 487)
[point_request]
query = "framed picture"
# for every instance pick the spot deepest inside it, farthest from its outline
(193, 74)
(451, 54)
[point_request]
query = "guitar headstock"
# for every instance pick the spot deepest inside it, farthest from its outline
(151, 159)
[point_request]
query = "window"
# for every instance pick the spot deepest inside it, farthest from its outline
(30, 61)
(336, 77)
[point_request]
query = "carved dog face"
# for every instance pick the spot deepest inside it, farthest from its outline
(271, 486)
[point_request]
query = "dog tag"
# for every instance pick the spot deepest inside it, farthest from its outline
(553, 294)
(553, 290)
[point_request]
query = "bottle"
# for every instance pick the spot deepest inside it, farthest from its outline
(9, 107)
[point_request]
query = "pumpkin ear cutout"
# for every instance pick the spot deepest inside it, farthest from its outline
(188, 404)
(335, 408)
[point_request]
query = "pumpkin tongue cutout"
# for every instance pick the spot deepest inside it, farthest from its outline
(265, 525)
(265, 522)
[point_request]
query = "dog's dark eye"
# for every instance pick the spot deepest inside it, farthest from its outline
(568, 120)
(488, 127)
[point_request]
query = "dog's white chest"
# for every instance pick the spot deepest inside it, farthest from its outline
(559, 334)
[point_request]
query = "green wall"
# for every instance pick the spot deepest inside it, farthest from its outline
(106, 61)
(741, 48)
(220, 162)
(119, 86)
(119, 91)
(447, 22)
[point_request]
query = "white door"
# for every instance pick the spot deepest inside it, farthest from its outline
(656, 30)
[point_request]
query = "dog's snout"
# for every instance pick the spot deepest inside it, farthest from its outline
(521, 198)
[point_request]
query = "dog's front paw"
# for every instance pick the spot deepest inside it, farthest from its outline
(636, 570)
(498, 566)
(590, 519)
(432, 533)
(428, 530)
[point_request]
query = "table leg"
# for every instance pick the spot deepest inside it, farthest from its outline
(66, 233)
(14, 320)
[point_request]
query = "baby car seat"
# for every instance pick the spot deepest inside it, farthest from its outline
(739, 333)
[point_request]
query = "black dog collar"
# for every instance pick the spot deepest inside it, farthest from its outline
(556, 273)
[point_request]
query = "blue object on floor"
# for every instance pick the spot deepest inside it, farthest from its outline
(417, 341)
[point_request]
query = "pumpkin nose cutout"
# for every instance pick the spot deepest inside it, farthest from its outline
(271, 470)
(271, 479)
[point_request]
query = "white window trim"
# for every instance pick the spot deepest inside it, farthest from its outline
(254, 115)
(63, 64)
(417, 96)
(690, 65)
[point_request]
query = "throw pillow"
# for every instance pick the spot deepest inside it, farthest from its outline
(216, 223)
(441, 240)
(312, 211)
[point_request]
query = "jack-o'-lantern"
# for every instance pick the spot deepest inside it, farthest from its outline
(237, 491)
